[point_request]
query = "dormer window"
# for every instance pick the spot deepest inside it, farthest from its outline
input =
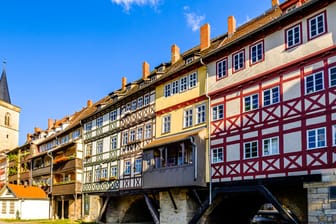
(189, 60)
(153, 78)
(161, 69)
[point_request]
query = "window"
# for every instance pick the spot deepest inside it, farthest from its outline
(113, 115)
(148, 131)
(192, 80)
(134, 105)
(88, 176)
(125, 138)
(238, 61)
(183, 84)
(167, 90)
(128, 107)
(88, 126)
(217, 155)
(166, 124)
(97, 174)
(188, 117)
(175, 87)
(189, 60)
(317, 26)
(104, 173)
(293, 36)
(221, 67)
(132, 135)
(146, 99)
(257, 52)
(114, 171)
(139, 134)
(271, 146)
(89, 150)
(140, 102)
(250, 150)
(251, 102)
(76, 134)
(99, 147)
(200, 114)
(271, 96)
(314, 82)
(334, 135)
(114, 142)
(7, 119)
(217, 112)
(127, 170)
(138, 165)
(316, 138)
(332, 76)
(99, 122)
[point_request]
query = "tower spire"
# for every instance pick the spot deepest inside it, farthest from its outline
(4, 91)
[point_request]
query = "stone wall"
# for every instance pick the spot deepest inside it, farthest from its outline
(321, 208)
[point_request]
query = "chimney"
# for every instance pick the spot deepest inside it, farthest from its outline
(50, 123)
(205, 37)
(29, 137)
(145, 70)
(89, 103)
(175, 54)
(275, 3)
(123, 83)
(231, 25)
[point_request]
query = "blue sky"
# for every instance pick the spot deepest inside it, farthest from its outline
(61, 53)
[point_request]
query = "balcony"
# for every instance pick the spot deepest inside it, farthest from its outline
(101, 186)
(13, 178)
(66, 188)
(67, 164)
(24, 176)
(40, 171)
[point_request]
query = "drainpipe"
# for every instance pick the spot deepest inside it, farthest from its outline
(51, 185)
(209, 129)
(195, 157)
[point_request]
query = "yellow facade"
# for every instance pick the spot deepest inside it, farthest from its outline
(176, 104)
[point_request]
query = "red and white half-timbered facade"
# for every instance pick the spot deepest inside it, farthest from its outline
(273, 96)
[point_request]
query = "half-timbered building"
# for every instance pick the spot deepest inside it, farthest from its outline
(271, 84)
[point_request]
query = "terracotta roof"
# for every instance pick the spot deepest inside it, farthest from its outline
(27, 192)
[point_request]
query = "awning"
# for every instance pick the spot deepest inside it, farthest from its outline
(172, 139)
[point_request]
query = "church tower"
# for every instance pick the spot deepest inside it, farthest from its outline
(9, 117)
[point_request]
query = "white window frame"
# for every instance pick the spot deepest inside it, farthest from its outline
(137, 165)
(317, 141)
(100, 147)
(271, 146)
(252, 150)
(139, 133)
(274, 96)
(317, 31)
(127, 167)
(332, 76)
(222, 68)
(314, 87)
(249, 102)
(188, 117)
(114, 171)
(217, 155)
(148, 131)
(184, 84)
(140, 102)
(257, 52)
(125, 138)
(146, 100)
(192, 80)
(175, 86)
(114, 142)
(132, 135)
(293, 36)
(99, 122)
(113, 115)
(166, 124)
(200, 114)
(167, 90)
(238, 61)
(217, 112)
(134, 105)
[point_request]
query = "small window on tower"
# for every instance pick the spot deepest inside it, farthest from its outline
(7, 119)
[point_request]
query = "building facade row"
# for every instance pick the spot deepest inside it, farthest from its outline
(253, 106)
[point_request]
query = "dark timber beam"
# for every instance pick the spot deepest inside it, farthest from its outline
(154, 213)
(172, 199)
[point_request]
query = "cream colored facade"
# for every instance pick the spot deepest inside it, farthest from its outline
(9, 132)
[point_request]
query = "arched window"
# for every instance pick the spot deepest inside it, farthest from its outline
(7, 119)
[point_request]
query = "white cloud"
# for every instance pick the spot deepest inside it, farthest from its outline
(194, 21)
(128, 3)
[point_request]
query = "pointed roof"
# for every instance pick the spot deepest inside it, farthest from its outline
(27, 192)
(4, 91)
